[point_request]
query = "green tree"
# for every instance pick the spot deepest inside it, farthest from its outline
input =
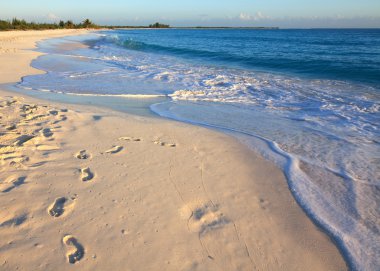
(69, 24)
(23, 25)
(87, 23)
(158, 25)
(4, 25)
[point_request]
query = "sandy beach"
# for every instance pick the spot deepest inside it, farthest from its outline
(86, 188)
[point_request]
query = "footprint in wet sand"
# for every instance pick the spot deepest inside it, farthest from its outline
(129, 138)
(75, 250)
(114, 149)
(57, 208)
(87, 175)
(219, 236)
(203, 217)
(82, 154)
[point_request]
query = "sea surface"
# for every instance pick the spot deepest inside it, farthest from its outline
(308, 100)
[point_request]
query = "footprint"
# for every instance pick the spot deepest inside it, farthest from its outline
(16, 221)
(219, 237)
(76, 253)
(114, 149)
(263, 203)
(22, 139)
(9, 102)
(47, 132)
(57, 208)
(28, 108)
(157, 142)
(86, 174)
(10, 127)
(203, 217)
(128, 138)
(82, 154)
(35, 117)
(13, 183)
(16, 157)
(160, 143)
(60, 119)
(53, 112)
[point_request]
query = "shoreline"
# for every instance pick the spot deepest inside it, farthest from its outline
(172, 176)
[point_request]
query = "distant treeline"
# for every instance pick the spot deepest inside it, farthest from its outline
(155, 25)
(234, 27)
(16, 24)
(158, 25)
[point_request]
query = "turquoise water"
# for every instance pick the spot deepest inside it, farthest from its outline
(308, 100)
(344, 54)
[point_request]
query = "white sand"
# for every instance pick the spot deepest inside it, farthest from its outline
(92, 189)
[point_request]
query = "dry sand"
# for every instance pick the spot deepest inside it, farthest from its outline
(92, 189)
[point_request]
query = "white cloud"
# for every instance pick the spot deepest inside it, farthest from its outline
(259, 16)
(245, 17)
(52, 17)
(256, 17)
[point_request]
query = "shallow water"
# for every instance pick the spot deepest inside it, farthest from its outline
(307, 100)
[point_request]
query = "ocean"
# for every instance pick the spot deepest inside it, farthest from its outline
(307, 100)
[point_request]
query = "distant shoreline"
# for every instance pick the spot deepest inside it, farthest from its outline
(196, 27)
(238, 27)
(229, 27)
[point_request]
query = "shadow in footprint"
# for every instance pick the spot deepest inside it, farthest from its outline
(47, 132)
(166, 144)
(16, 183)
(204, 217)
(114, 149)
(87, 175)
(77, 252)
(10, 127)
(129, 138)
(57, 208)
(82, 154)
(38, 164)
(53, 112)
(96, 118)
(22, 139)
(16, 221)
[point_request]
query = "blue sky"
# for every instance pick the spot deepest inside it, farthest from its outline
(283, 13)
